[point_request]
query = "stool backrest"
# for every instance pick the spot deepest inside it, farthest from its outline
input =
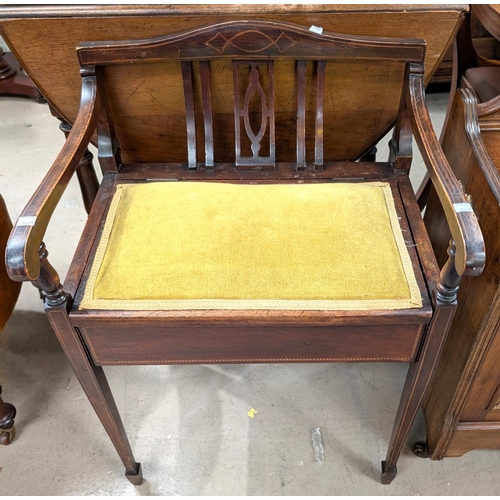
(255, 92)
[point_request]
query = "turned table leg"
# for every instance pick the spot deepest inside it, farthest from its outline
(13, 81)
(7, 415)
(87, 178)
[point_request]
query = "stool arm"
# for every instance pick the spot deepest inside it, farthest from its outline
(466, 233)
(22, 254)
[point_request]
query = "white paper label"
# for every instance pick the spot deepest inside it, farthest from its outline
(316, 29)
(462, 207)
(26, 221)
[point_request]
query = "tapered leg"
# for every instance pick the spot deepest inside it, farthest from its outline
(91, 377)
(421, 371)
(7, 415)
(417, 380)
(96, 387)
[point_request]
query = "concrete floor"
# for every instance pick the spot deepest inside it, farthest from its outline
(189, 425)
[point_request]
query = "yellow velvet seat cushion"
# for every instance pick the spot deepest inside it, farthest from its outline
(207, 245)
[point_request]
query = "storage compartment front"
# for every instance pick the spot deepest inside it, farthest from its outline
(147, 344)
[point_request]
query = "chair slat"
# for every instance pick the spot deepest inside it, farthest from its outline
(318, 128)
(207, 113)
(301, 114)
(187, 80)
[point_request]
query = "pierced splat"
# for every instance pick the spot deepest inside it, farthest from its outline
(242, 112)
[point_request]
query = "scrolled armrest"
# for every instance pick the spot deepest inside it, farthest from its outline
(464, 226)
(22, 259)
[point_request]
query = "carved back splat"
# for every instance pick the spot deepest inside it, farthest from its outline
(242, 113)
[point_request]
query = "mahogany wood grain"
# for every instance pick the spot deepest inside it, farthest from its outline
(301, 114)
(417, 380)
(251, 39)
(207, 113)
(26, 238)
(470, 436)
(483, 396)
(109, 150)
(187, 79)
(94, 220)
(464, 227)
(62, 11)
(117, 344)
(419, 234)
(284, 171)
(401, 144)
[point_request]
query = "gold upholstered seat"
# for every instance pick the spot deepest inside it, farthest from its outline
(241, 246)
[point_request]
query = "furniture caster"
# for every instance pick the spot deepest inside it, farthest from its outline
(7, 435)
(135, 476)
(388, 474)
(421, 449)
(7, 416)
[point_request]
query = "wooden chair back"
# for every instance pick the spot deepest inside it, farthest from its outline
(235, 91)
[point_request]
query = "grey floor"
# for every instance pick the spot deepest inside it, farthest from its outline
(189, 425)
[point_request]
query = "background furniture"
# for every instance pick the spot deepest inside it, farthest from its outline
(462, 409)
(484, 44)
(255, 56)
(9, 292)
(472, 70)
(7, 415)
(13, 81)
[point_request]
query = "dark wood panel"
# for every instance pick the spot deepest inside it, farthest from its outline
(145, 344)
(494, 414)
(284, 171)
(470, 436)
(481, 396)
(466, 380)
